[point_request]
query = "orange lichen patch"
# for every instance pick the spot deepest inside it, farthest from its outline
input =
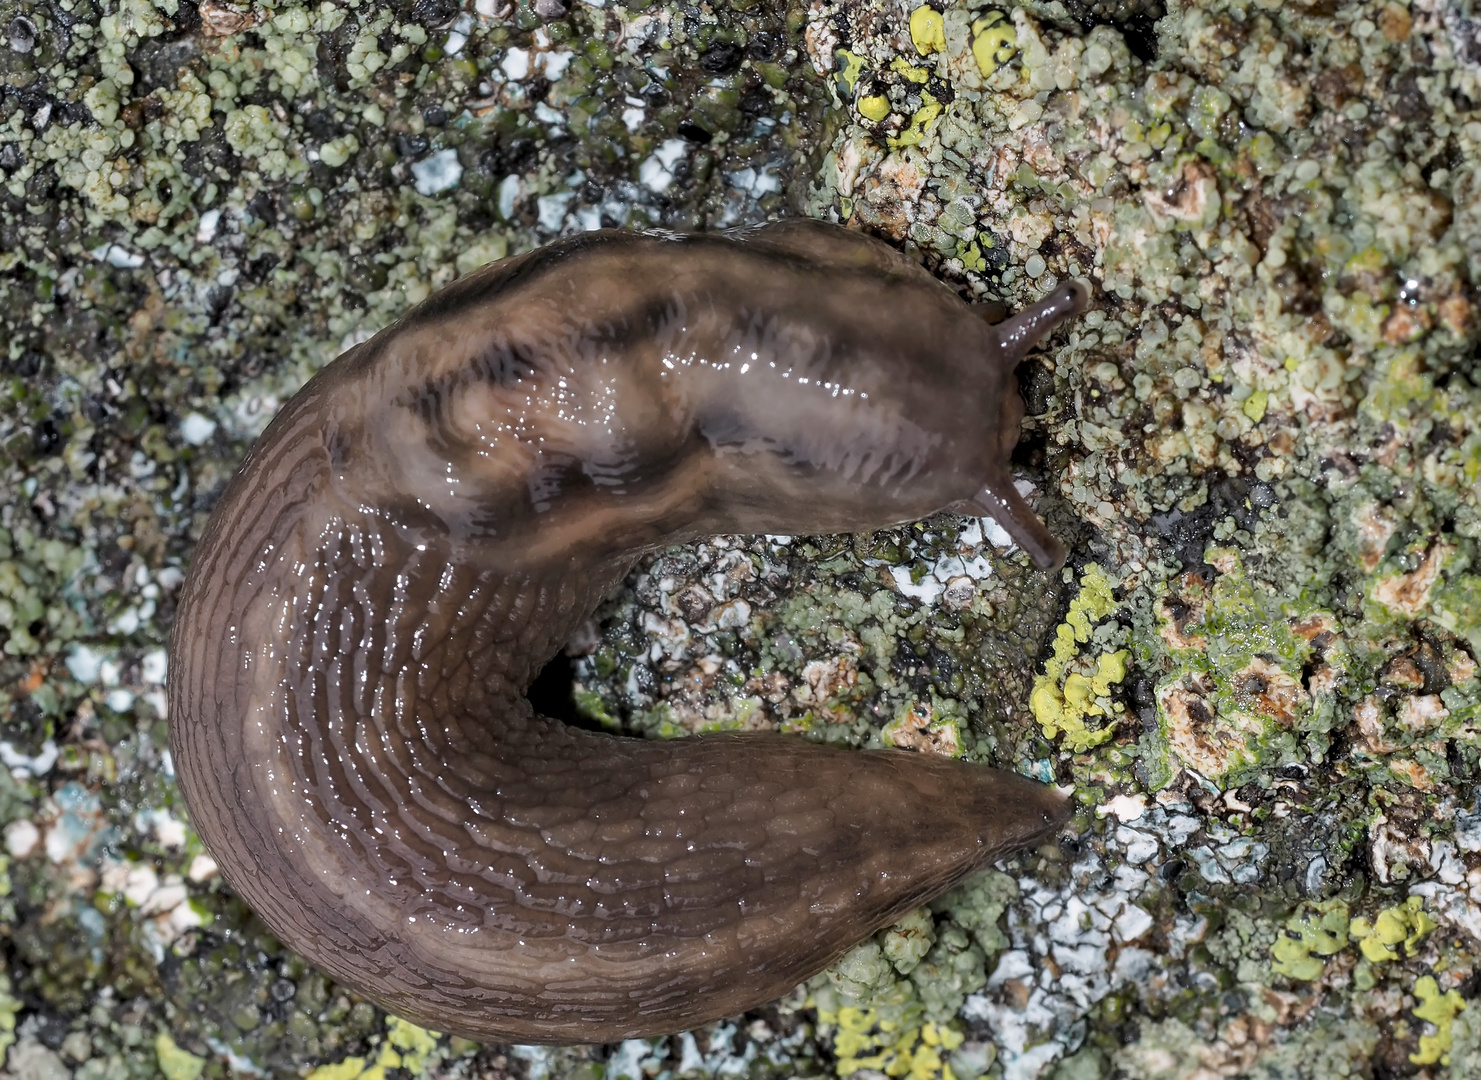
(1368, 716)
(1409, 594)
(1324, 679)
(34, 678)
(959, 591)
(1176, 611)
(1269, 690)
(1455, 313)
(1319, 628)
(1038, 152)
(1375, 525)
(1173, 616)
(918, 730)
(1402, 672)
(823, 682)
(1386, 453)
(1406, 324)
(1190, 198)
(697, 712)
(693, 603)
(772, 687)
(1421, 712)
(1395, 22)
(888, 202)
(821, 41)
(1226, 560)
(223, 20)
(1205, 741)
(1412, 772)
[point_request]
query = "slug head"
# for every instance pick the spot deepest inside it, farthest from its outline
(1013, 338)
(873, 395)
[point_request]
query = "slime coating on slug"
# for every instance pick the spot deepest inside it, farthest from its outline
(435, 513)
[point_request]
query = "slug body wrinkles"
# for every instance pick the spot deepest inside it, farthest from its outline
(435, 513)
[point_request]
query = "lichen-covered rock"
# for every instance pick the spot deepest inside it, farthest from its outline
(1259, 675)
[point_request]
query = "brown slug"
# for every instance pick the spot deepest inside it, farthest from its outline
(434, 514)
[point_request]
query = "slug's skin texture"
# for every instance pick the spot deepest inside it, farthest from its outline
(432, 516)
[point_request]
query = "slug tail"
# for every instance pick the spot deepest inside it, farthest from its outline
(1020, 333)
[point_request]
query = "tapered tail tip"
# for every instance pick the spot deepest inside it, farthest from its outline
(1025, 812)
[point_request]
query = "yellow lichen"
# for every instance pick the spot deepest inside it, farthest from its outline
(1403, 925)
(922, 119)
(1317, 930)
(9, 1006)
(927, 30)
(176, 1063)
(348, 1069)
(1440, 1010)
(874, 107)
(911, 73)
(1062, 700)
(406, 1047)
(866, 1040)
(850, 67)
(994, 41)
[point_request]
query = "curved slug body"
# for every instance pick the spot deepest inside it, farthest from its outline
(433, 515)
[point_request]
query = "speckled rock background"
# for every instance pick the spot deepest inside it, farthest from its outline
(1258, 674)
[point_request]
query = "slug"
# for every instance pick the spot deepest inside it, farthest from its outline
(431, 517)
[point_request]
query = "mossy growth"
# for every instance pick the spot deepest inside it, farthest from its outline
(1237, 697)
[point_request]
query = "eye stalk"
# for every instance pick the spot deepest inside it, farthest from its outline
(1018, 334)
(999, 498)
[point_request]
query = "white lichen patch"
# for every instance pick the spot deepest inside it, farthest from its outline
(954, 576)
